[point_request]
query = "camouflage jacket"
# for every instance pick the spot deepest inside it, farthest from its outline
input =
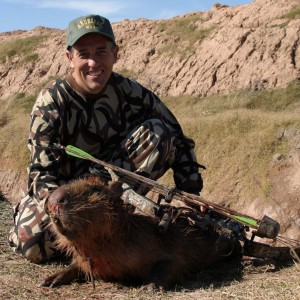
(62, 115)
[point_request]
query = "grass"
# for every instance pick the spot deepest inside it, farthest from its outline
(14, 127)
(13, 141)
(185, 32)
(23, 104)
(22, 49)
(3, 119)
(255, 279)
(128, 73)
(244, 124)
(276, 100)
(237, 135)
(293, 14)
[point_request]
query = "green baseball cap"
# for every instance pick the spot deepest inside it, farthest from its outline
(88, 24)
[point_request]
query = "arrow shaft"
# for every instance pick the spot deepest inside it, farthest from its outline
(163, 189)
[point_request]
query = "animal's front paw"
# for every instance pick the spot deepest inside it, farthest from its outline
(61, 278)
(51, 281)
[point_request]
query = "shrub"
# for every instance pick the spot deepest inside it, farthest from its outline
(185, 31)
(22, 48)
(294, 13)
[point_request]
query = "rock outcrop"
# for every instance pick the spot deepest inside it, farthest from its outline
(253, 46)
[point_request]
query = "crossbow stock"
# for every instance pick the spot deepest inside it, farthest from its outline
(227, 221)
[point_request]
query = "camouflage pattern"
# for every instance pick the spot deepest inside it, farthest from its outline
(29, 236)
(148, 150)
(127, 125)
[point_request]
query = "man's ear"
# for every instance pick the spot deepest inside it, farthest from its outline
(116, 51)
(70, 58)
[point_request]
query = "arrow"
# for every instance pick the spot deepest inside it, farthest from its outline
(176, 194)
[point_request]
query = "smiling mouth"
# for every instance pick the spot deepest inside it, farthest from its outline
(93, 73)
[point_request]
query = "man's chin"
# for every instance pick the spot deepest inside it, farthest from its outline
(95, 90)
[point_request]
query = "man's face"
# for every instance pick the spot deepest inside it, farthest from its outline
(92, 59)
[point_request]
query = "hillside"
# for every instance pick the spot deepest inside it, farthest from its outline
(251, 46)
(227, 50)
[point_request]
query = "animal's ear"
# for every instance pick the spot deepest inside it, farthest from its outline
(93, 184)
(115, 188)
(95, 189)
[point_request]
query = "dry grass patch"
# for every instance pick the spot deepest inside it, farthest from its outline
(21, 50)
(294, 13)
(128, 73)
(238, 135)
(14, 118)
(256, 279)
(236, 138)
(14, 128)
(186, 32)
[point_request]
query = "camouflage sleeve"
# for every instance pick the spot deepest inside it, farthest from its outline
(44, 160)
(186, 169)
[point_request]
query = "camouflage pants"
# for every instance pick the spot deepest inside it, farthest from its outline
(148, 150)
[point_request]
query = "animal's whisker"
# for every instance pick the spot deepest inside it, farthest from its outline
(109, 240)
(84, 207)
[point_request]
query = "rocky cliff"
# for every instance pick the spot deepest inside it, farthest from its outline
(254, 46)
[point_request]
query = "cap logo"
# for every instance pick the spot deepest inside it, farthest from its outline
(90, 23)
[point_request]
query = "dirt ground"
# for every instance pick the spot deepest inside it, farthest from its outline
(255, 279)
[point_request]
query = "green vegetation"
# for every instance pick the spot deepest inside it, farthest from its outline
(277, 100)
(14, 127)
(185, 32)
(237, 135)
(3, 119)
(21, 48)
(23, 104)
(294, 13)
(128, 73)
(14, 121)
(272, 101)
(236, 138)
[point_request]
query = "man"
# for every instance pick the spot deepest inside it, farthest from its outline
(111, 117)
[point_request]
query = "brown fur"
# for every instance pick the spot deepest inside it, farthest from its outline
(103, 235)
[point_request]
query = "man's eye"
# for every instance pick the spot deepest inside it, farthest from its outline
(83, 55)
(102, 52)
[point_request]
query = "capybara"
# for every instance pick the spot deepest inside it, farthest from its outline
(109, 241)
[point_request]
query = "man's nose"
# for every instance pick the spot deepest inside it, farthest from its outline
(93, 61)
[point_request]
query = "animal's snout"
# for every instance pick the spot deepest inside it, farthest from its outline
(56, 201)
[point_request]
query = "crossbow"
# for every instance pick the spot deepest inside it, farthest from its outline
(227, 221)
